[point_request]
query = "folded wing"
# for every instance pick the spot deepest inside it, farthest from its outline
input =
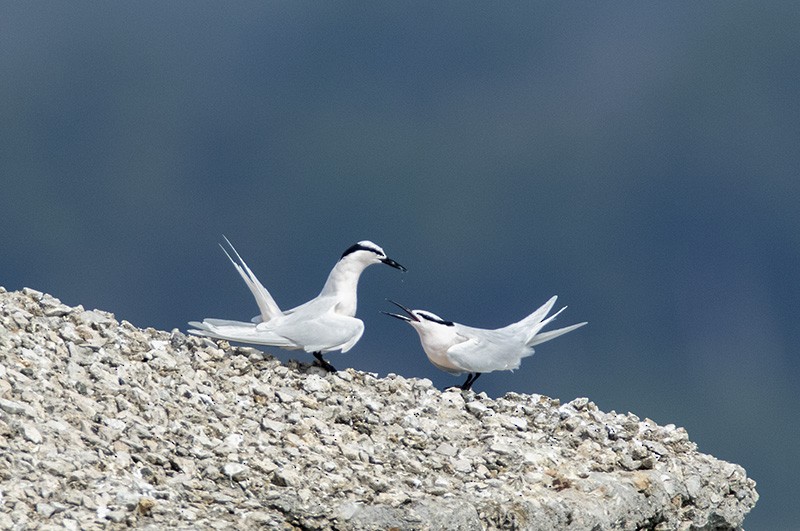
(487, 351)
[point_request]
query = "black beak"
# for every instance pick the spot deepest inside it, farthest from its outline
(411, 316)
(388, 261)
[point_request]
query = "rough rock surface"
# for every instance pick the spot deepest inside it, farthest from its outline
(105, 425)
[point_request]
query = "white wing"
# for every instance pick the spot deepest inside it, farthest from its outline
(242, 332)
(487, 351)
(327, 332)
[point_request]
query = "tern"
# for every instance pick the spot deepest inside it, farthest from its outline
(456, 348)
(323, 324)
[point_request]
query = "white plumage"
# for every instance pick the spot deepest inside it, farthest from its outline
(457, 348)
(323, 324)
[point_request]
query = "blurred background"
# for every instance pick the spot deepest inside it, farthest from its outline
(639, 160)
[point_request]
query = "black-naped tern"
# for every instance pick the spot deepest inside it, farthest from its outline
(456, 348)
(323, 324)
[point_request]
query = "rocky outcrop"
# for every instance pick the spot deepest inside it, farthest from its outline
(106, 425)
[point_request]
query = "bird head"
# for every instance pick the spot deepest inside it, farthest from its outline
(368, 253)
(419, 319)
(437, 335)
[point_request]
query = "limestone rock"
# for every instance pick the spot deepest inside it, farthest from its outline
(105, 424)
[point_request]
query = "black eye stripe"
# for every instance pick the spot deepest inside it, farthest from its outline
(358, 247)
(435, 320)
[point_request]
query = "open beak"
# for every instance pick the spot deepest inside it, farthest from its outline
(411, 317)
(388, 261)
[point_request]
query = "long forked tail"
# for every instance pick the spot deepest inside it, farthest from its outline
(534, 323)
(552, 334)
(266, 304)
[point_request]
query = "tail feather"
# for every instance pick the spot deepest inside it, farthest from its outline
(541, 324)
(207, 323)
(239, 331)
(552, 334)
(266, 304)
(535, 322)
(537, 316)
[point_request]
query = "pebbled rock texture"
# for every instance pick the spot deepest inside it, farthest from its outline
(107, 426)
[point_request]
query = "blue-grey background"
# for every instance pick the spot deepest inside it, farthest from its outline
(640, 160)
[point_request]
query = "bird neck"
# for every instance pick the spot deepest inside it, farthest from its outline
(437, 339)
(342, 284)
(436, 343)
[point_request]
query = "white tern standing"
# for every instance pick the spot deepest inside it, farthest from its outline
(456, 348)
(323, 324)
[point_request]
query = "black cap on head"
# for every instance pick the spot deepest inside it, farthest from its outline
(364, 246)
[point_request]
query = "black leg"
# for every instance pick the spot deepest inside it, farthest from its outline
(471, 377)
(324, 364)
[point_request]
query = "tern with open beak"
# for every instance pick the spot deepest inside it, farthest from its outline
(458, 349)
